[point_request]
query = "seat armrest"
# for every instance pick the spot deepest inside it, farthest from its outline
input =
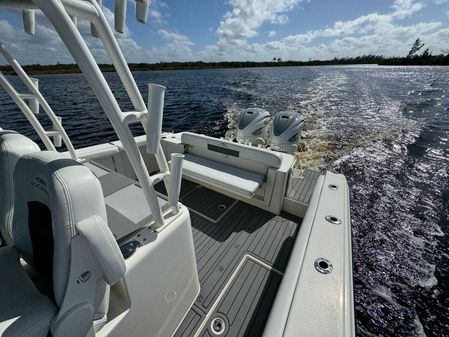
(101, 242)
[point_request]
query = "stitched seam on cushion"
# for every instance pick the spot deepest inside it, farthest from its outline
(69, 202)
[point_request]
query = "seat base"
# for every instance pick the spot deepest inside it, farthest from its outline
(233, 179)
(24, 311)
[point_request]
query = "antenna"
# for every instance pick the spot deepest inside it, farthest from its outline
(29, 21)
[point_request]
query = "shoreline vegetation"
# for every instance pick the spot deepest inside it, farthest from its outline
(414, 58)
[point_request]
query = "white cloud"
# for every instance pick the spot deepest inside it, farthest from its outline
(390, 33)
(404, 8)
(156, 15)
(247, 16)
(374, 33)
(46, 47)
(178, 47)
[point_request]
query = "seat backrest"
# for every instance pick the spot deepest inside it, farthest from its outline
(57, 202)
(243, 156)
(12, 147)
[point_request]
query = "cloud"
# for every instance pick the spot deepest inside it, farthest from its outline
(247, 16)
(404, 8)
(390, 34)
(155, 15)
(178, 47)
(374, 33)
(46, 47)
(29, 50)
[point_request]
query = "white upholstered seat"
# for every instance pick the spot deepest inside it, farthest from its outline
(12, 147)
(59, 228)
(231, 178)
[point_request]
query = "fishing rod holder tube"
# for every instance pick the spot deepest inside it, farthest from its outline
(29, 21)
(120, 15)
(175, 181)
(142, 10)
(156, 94)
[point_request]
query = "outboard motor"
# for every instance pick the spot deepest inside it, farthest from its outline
(252, 127)
(286, 131)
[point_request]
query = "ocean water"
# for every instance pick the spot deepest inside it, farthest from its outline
(385, 128)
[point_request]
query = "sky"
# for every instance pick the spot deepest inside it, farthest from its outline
(247, 30)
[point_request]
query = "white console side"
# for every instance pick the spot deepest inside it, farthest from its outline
(161, 282)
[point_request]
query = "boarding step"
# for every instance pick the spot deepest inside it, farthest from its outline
(299, 191)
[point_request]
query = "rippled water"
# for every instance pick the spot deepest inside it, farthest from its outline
(385, 128)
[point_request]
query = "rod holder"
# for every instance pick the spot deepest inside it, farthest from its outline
(175, 181)
(156, 94)
(33, 103)
(142, 10)
(120, 15)
(29, 21)
(57, 139)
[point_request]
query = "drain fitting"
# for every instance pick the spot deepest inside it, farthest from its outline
(217, 326)
(324, 266)
(333, 220)
(221, 207)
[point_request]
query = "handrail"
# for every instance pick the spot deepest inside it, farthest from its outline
(90, 10)
(26, 111)
(60, 13)
(42, 101)
(59, 16)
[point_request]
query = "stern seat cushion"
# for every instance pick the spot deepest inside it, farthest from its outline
(24, 311)
(231, 178)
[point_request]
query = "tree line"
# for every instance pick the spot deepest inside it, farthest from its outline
(414, 57)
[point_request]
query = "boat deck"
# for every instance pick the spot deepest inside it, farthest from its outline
(301, 188)
(241, 252)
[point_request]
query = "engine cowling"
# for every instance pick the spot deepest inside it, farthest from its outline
(286, 131)
(252, 127)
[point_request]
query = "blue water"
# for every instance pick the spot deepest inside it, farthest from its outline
(385, 128)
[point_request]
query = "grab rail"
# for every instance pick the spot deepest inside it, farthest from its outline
(60, 13)
(36, 97)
